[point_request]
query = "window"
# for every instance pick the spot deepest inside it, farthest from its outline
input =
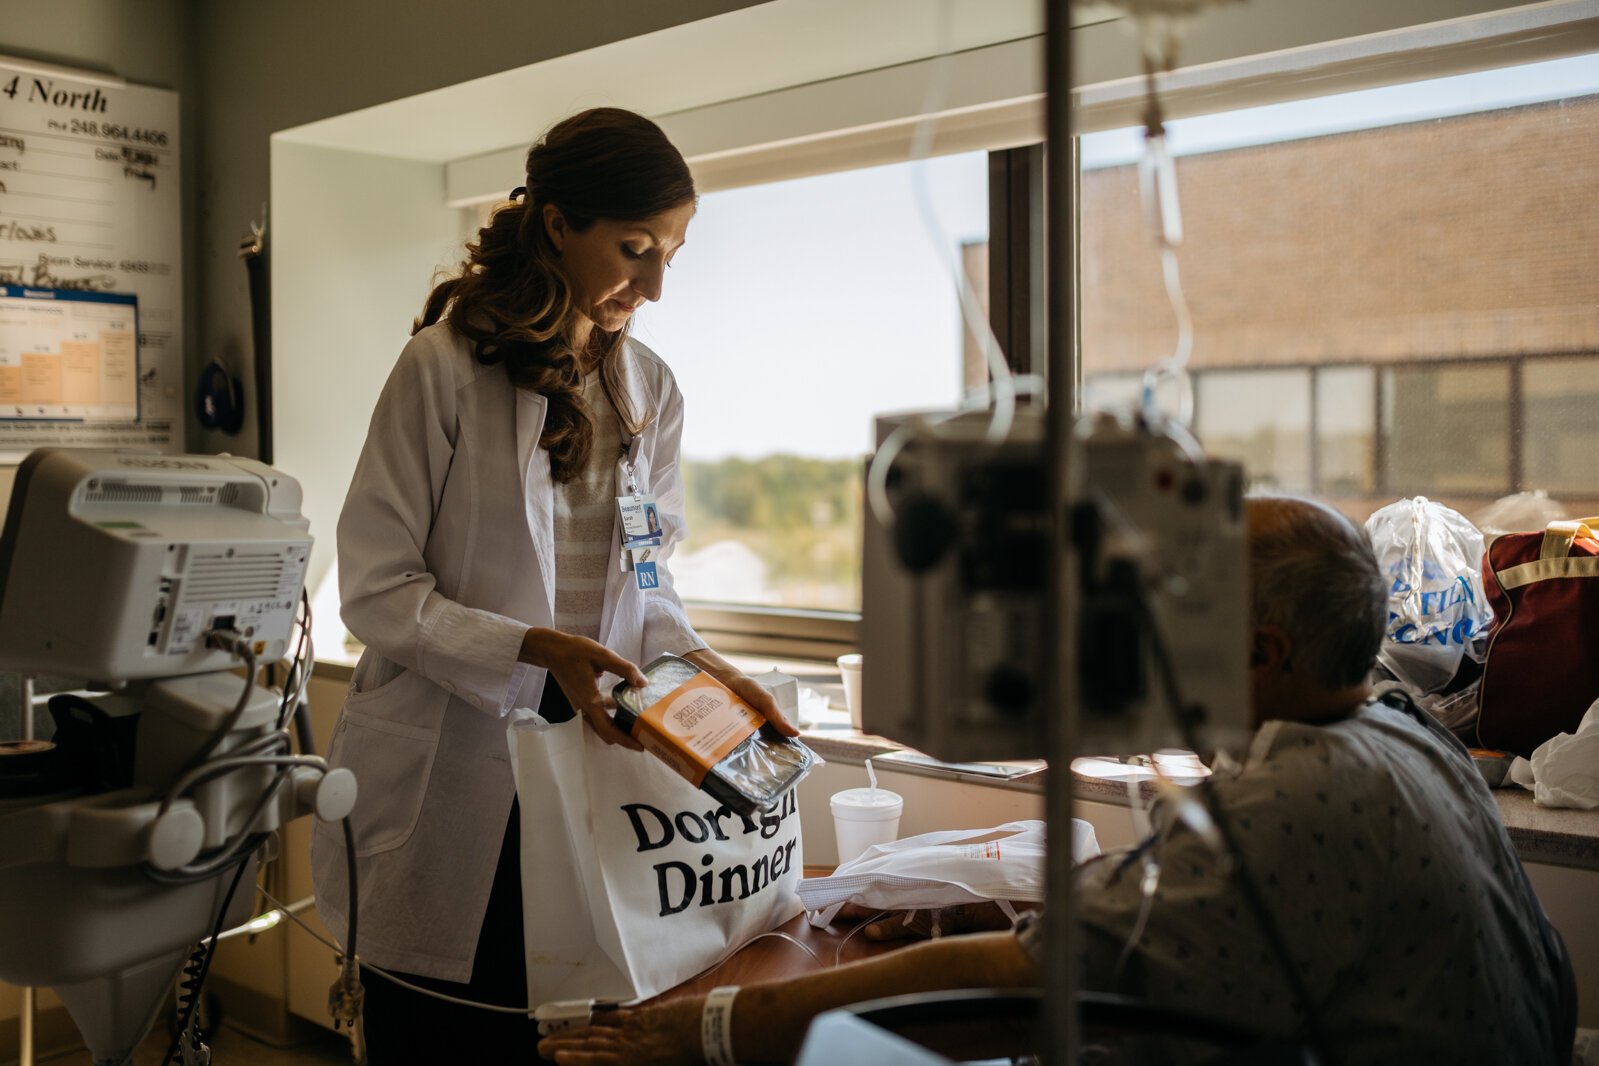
(1346, 431)
(1446, 429)
(1260, 418)
(1392, 289)
(1560, 424)
(796, 311)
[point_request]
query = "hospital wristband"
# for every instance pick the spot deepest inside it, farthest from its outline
(716, 1026)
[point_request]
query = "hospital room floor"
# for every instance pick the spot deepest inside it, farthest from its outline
(232, 1048)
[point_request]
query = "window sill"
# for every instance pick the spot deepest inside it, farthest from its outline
(1540, 834)
(832, 737)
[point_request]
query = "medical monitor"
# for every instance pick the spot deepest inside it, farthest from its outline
(115, 565)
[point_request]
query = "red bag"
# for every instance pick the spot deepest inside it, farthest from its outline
(1542, 669)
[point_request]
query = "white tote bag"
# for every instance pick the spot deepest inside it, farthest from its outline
(633, 880)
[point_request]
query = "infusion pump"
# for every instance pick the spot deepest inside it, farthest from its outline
(956, 653)
(114, 565)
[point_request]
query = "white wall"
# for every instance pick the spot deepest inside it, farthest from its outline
(1571, 899)
(358, 239)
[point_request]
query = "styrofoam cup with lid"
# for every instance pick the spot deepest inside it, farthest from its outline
(863, 817)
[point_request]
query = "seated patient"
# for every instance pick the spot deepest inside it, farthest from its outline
(1375, 845)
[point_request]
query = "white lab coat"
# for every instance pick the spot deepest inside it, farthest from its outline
(446, 557)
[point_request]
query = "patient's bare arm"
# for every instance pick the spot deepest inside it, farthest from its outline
(770, 1018)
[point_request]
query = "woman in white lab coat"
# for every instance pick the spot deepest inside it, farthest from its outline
(480, 562)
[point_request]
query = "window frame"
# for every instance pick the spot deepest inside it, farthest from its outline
(1386, 486)
(1016, 308)
(1018, 298)
(1515, 404)
(1518, 412)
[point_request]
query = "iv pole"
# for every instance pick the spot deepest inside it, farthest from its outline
(30, 995)
(1064, 480)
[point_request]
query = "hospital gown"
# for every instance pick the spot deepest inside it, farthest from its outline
(1382, 858)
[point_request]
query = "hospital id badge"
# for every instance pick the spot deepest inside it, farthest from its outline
(643, 565)
(641, 520)
(641, 527)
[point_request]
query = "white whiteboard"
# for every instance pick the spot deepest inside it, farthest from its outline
(89, 202)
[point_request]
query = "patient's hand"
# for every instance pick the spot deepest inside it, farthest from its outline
(942, 921)
(667, 1033)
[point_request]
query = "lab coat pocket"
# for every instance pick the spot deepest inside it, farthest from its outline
(373, 674)
(378, 739)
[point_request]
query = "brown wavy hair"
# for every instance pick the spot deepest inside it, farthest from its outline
(510, 297)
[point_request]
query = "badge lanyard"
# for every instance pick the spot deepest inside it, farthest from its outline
(641, 525)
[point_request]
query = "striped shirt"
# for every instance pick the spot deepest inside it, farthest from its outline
(585, 522)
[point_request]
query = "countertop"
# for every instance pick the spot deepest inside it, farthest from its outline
(1554, 836)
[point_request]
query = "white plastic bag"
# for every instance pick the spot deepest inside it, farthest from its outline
(633, 880)
(1437, 613)
(1520, 512)
(944, 869)
(1564, 770)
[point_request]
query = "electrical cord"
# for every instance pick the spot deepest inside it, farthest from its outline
(1148, 884)
(190, 875)
(1004, 385)
(201, 869)
(220, 854)
(303, 737)
(368, 967)
(267, 750)
(274, 743)
(270, 749)
(1158, 188)
(192, 988)
(220, 767)
(349, 869)
(1174, 366)
(294, 675)
(299, 673)
(228, 640)
(287, 911)
(778, 934)
(267, 920)
(1002, 388)
(1187, 720)
(838, 953)
(883, 463)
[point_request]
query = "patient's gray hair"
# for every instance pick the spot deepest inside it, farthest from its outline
(1312, 573)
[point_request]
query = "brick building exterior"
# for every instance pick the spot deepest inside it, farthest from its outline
(1449, 268)
(1470, 236)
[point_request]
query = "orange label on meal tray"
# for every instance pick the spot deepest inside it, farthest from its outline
(696, 725)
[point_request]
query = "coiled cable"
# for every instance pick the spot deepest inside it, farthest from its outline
(198, 966)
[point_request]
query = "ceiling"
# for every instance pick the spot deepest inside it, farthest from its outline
(753, 50)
